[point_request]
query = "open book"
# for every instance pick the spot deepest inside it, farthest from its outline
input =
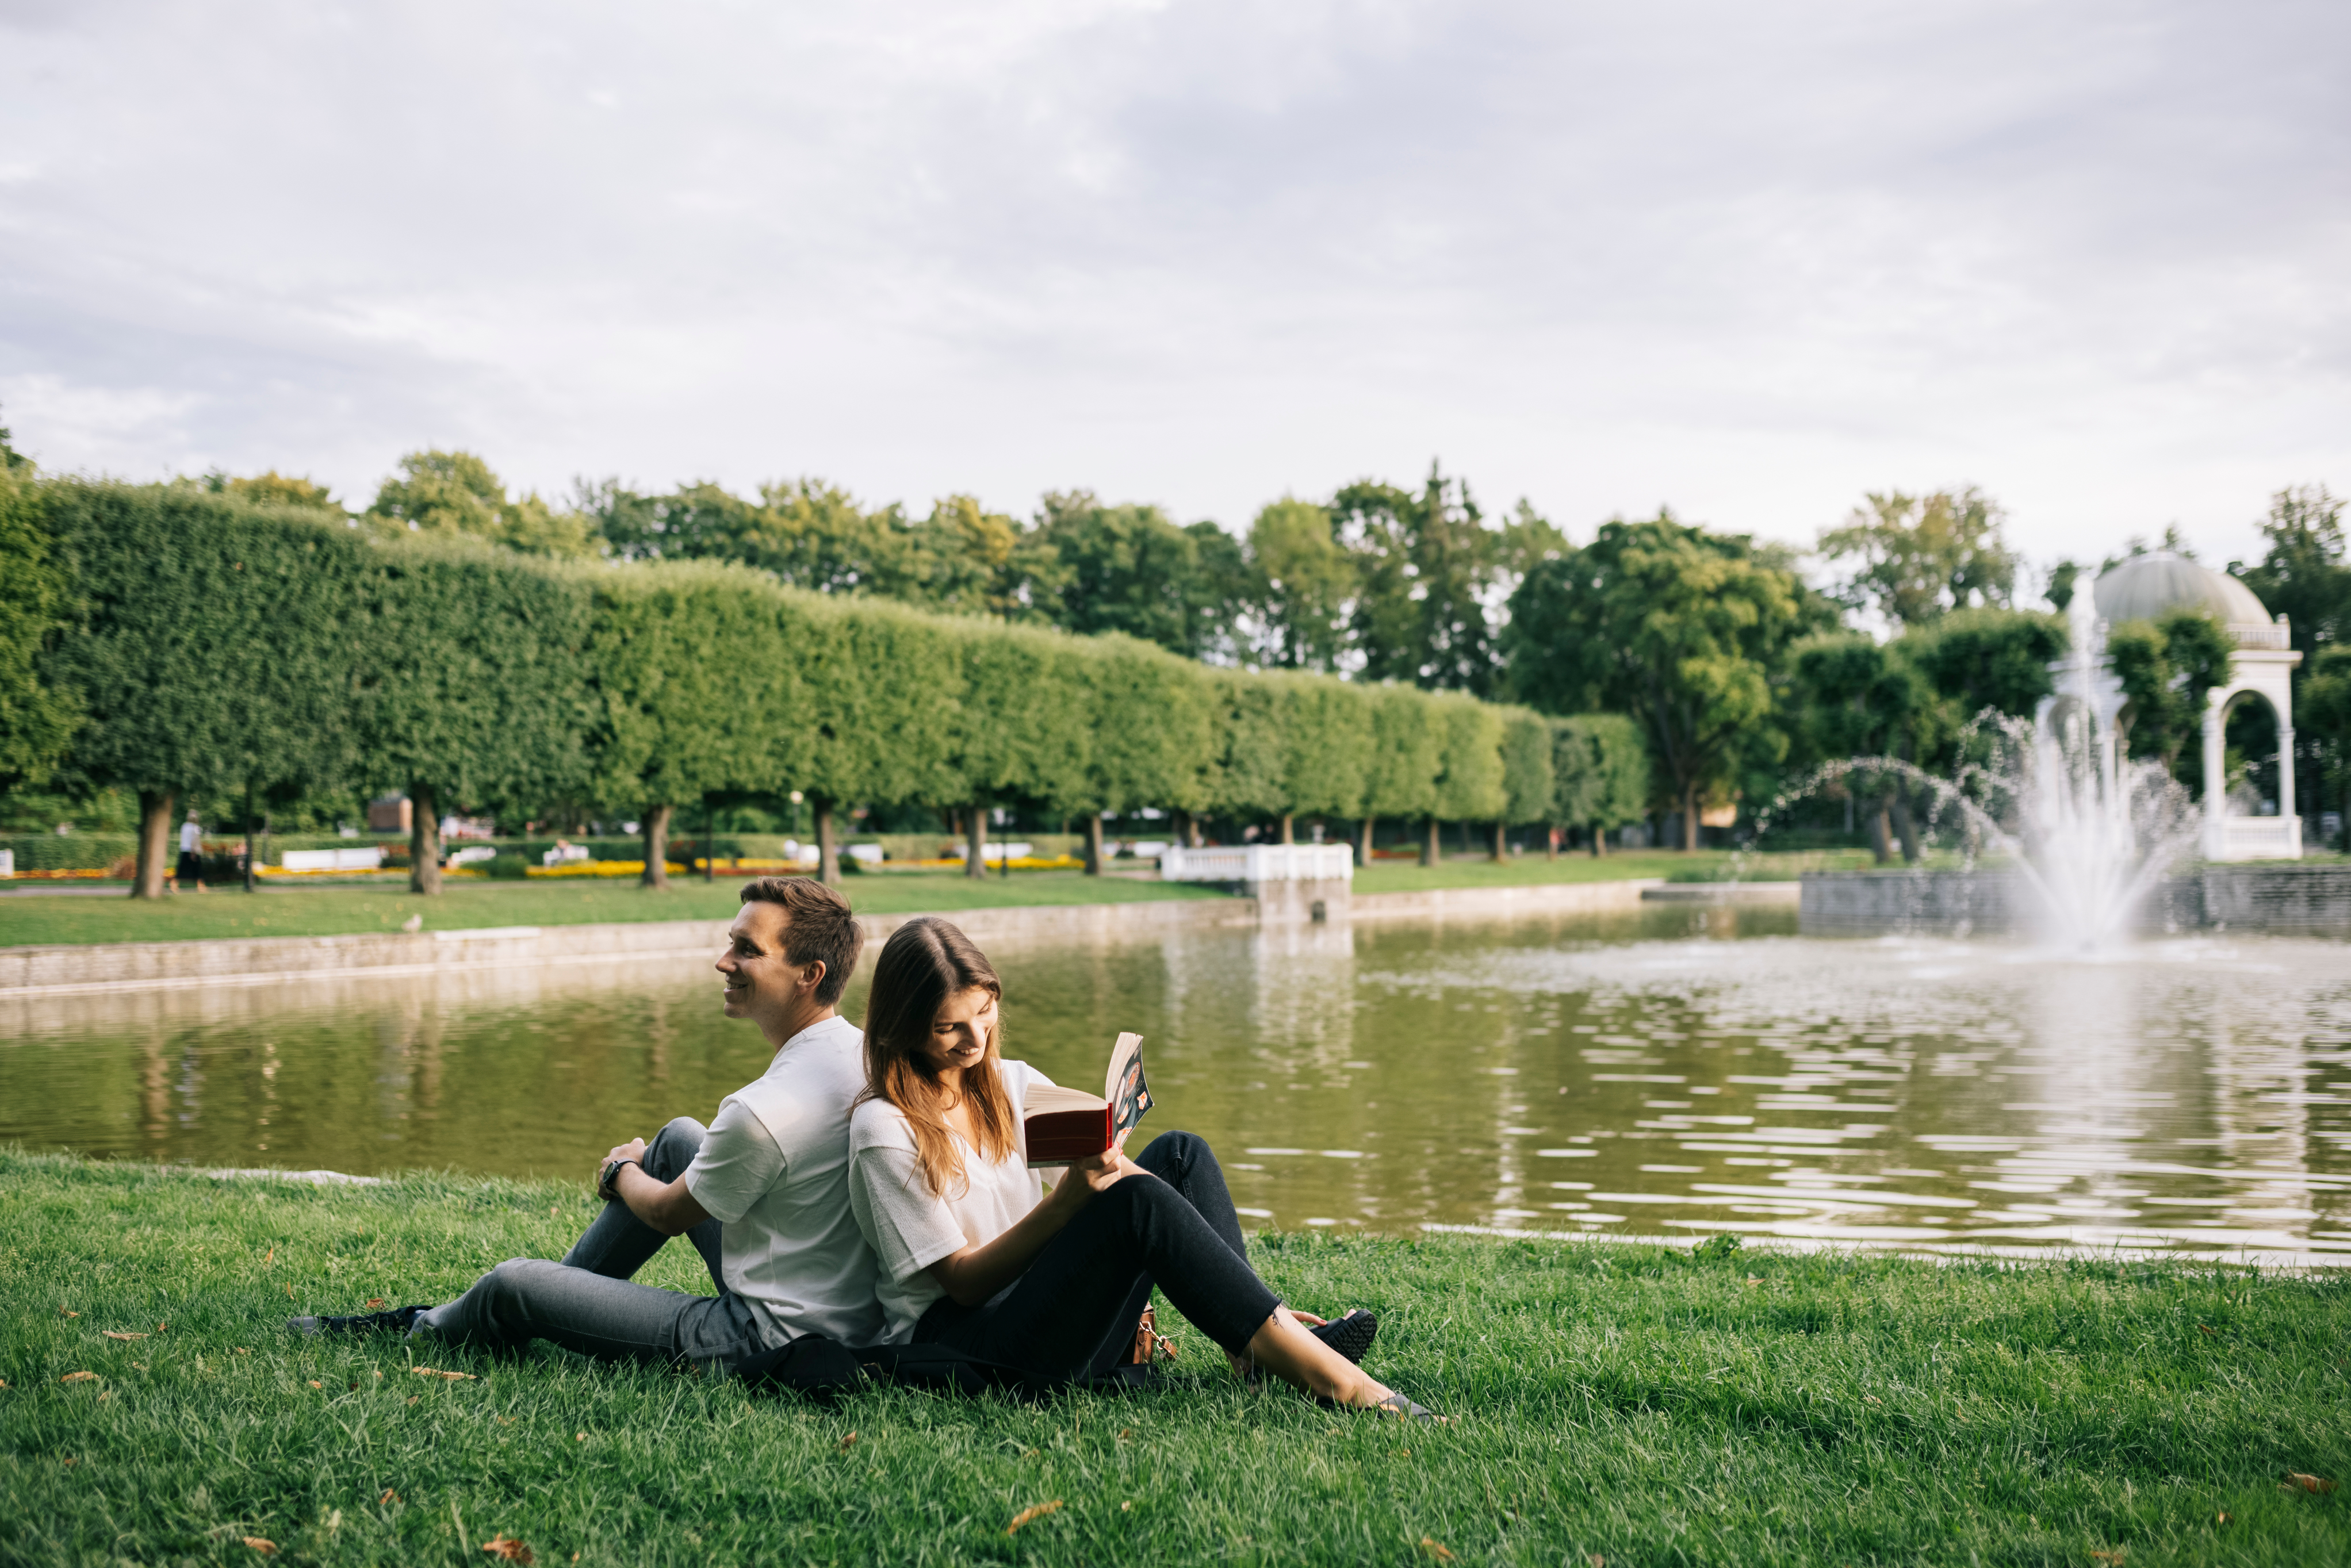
(1065, 1125)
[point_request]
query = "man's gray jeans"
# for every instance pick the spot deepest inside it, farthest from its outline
(587, 1303)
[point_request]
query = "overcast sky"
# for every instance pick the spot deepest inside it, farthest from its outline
(1746, 260)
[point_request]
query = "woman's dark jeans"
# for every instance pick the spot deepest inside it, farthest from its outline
(1073, 1312)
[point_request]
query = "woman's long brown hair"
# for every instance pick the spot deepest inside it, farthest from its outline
(925, 962)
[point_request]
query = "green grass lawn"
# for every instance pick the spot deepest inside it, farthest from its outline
(1614, 1404)
(333, 911)
(1701, 865)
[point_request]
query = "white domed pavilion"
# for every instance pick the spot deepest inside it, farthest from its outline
(2147, 586)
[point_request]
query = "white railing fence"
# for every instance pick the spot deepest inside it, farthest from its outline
(1259, 862)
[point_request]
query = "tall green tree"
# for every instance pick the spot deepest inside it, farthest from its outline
(1023, 733)
(2169, 668)
(1152, 720)
(216, 648)
(1407, 755)
(1131, 569)
(1428, 568)
(437, 492)
(1684, 629)
(1914, 557)
(1303, 584)
(1471, 786)
(1600, 767)
(1864, 698)
(473, 682)
(1529, 782)
(682, 661)
(37, 719)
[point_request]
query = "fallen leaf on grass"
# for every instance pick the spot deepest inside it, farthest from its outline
(2115, 1556)
(2222, 1518)
(1436, 1549)
(451, 1377)
(374, 1302)
(261, 1544)
(583, 1437)
(1754, 1280)
(389, 1496)
(316, 1384)
(117, 1333)
(1124, 1506)
(69, 1311)
(2309, 1483)
(78, 1377)
(241, 1351)
(1027, 1514)
(510, 1550)
(2205, 1328)
(849, 1442)
(161, 1327)
(106, 1395)
(138, 1367)
(1595, 1559)
(411, 1399)
(269, 1256)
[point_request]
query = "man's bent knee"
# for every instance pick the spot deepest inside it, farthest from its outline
(673, 1148)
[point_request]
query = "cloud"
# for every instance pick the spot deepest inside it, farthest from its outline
(1746, 260)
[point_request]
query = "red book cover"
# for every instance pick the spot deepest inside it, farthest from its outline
(1068, 1134)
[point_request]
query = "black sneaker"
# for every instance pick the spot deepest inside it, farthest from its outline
(1351, 1336)
(399, 1320)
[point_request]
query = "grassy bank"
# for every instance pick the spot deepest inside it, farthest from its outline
(1615, 1403)
(334, 911)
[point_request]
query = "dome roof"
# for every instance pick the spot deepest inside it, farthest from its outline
(2147, 586)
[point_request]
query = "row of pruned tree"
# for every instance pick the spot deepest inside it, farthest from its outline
(179, 641)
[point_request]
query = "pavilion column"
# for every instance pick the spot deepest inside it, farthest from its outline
(2286, 772)
(2216, 802)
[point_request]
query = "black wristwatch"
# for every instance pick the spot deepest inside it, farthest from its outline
(604, 1187)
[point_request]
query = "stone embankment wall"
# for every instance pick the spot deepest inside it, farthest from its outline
(2283, 899)
(133, 966)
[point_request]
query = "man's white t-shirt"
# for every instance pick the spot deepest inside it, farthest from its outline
(909, 1226)
(774, 1171)
(191, 837)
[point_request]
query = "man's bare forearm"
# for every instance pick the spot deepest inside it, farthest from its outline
(668, 1206)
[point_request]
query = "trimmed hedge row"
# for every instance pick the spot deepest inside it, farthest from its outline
(217, 646)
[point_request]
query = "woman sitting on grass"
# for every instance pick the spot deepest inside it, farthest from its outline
(975, 1259)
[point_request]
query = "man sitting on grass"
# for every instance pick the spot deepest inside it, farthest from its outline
(763, 1194)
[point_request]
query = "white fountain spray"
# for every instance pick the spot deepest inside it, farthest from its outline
(2089, 831)
(2096, 830)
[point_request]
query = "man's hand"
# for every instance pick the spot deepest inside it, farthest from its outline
(634, 1149)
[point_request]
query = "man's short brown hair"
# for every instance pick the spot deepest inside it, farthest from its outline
(818, 926)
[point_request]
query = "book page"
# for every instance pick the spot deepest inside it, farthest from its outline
(1049, 1097)
(1128, 1094)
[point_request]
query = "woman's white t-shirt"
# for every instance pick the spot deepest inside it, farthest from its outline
(909, 1226)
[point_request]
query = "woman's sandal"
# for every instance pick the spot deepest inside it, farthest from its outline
(1351, 1336)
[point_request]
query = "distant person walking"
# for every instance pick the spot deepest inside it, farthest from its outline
(191, 853)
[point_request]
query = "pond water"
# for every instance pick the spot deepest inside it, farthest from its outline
(1674, 1074)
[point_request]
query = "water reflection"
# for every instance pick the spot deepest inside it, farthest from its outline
(1672, 1075)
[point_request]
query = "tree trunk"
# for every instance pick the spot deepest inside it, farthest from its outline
(248, 838)
(1287, 830)
(1364, 844)
(827, 868)
(1500, 848)
(1599, 842)
(1689, 819)
(974, 842)
(1881, 831)
(1093, 843)
(155, 844)
(1905, 828)
(1431, 849)
(423, 840)
(657, 819)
